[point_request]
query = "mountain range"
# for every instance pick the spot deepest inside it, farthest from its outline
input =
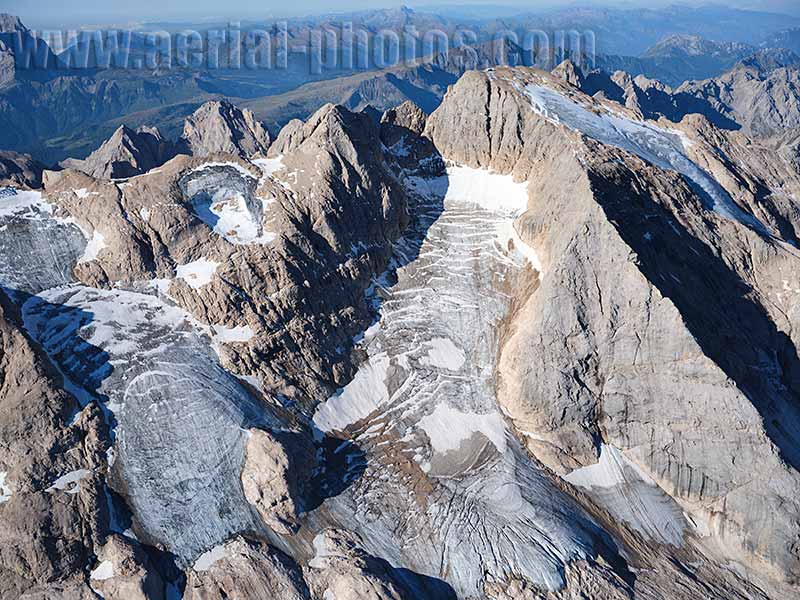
(532, 337)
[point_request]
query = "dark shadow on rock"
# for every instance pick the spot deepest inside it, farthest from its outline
(732, 328)
(423, 587)
(341, 463)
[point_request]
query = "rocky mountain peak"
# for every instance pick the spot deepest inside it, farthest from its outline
(407, 116)
(126, 153)
(769, 59)
(568, 72)
(219, 126)
(19, 170)
(11, 24)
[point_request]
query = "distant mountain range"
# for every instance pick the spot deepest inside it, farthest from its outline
(58, 113)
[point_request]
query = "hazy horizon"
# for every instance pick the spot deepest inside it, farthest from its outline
(55, 14)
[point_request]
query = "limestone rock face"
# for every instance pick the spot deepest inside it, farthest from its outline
(52, 505)
(273, 481)
(7, 64)
(247, 569)
(125, 154)
(218, 126)
(569, 73)
(342, 569)
(124, 572)
(538, 344)
(288, 138)
(407, 116)
(20, 170)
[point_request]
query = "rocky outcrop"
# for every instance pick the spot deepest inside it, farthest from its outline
(568, 72)
(343, 570)
(637, 325)
(20, 170)
(125, 154)
(7, 64)
(246, 569)
(275, 481)
(762, 102)
(53, 508)
(396, 122)
(218, 126)
(125, 572)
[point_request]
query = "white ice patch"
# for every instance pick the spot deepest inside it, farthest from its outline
(320, 553)
(103, 571)
(270, 165)
(366, 392)
(93, 248)
(144, 213)
(64, 482)
(229, 217)
(197, 273)
(27, 204)
(497, 193)
(630, 494)
(491, 191)
(444, 354)
(232, 334)
(84, 193)
(664, 149)
(607, 472)
(207, 559)
(448, 427)
(5, 490)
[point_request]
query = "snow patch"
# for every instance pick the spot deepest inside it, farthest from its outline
(5, 490)
(74, 477)
(231, 218)
(93, 248)
(103, 571)
(447, 427)
(207, 559)
(444, 354)
(197, 273)
(270, 165)
(490, 191)
(631, 495)
(23, 203)
(232, 334)
(84, 193)
(321, 553)
(366, 392)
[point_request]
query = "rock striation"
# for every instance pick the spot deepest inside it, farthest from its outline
(126, 153)
(218, 126)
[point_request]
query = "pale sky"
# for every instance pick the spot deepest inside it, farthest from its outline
(59, 14)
